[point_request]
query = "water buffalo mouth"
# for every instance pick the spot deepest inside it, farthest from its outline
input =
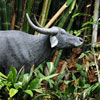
(80, 42)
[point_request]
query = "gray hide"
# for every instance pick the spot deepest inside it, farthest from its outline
(18, 48)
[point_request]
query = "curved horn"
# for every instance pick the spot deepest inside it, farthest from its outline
(50, 31)
(37, 23)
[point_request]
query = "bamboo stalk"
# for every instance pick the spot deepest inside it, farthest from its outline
(23, 15)
(56, 16)
(47, 12)
(20, 9)
(3, 15)
(13, 21)
(30, 4)
(44, 13)
(13, 16)
(9, 12)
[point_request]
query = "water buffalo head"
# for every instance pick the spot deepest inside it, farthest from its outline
(59, 38)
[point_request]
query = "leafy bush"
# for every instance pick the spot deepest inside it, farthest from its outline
(35, 85)
(19, 86)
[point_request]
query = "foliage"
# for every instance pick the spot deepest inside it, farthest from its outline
(35, 85)
(22, 86)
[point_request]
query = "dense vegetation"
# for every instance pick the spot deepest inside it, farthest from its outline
(73, 72)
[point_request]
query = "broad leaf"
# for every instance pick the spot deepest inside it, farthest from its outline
(29, 92)
(18, 85)
(34, 84)
(26, 79)
(13, 92)
(12, 76)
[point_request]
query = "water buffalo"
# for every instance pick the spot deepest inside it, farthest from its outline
(19, 48)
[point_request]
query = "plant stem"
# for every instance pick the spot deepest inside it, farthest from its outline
(94, 34)
(57, 58)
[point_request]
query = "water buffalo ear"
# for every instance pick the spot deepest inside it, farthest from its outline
(53, 41)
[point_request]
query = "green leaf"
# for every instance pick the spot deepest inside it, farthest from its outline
(56, 94)
(18, 85)
(51, 83)
(34, 84)
(1, 84)
(81, 56)
(39, 67)
(38, 90)
(70, 90)
(39, 74)
(73, 77)
(41, 95)
(67, 82)
(31, 71)
(2, 78)
(81, 82)
(13, 92)
(79, 67)
(12, 76)
(29, 92)
(50, 67)
(60, 77)
(48, 77)
(91, 55)
(2, 75)
(72, 5)
(8, 85)
(21, 75)
(68, 2)
(87, 57)
(26, 79)
(87, 23)
(80, 14)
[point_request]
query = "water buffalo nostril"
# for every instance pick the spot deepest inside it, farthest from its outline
(81, 40)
